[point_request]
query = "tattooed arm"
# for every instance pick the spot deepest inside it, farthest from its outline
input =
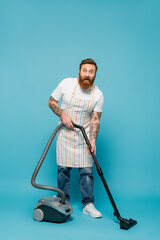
(53, 104)
(94, 128)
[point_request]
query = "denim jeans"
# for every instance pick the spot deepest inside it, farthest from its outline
(85, 182)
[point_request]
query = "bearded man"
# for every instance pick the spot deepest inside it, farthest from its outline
(81, 103)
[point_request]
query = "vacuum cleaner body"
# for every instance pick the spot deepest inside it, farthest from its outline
(51, 209)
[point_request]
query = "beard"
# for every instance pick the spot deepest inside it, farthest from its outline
(86, 82)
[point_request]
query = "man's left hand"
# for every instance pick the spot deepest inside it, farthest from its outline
(93, 145)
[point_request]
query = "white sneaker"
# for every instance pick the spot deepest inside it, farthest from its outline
(90, 210)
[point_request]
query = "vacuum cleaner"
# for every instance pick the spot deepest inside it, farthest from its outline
(58, 209)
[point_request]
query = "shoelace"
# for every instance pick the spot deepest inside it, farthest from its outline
(92, 206)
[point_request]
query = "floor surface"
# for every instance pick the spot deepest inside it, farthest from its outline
(17, 220)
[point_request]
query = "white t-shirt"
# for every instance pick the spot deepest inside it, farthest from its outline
(66, 87)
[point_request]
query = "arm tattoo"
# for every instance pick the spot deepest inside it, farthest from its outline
(53, 104)
(96, 116)
(94, 126)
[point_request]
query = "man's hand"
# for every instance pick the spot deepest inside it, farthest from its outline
(53, 104)
(93, 145)
(67, 121)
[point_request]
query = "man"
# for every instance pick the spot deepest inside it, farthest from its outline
(82, 103)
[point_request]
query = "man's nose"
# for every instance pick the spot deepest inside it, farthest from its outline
(87, 74)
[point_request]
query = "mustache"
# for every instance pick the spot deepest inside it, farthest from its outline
(87, 78)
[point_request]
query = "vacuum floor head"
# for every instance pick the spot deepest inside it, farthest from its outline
(51, 209)
(127, 224)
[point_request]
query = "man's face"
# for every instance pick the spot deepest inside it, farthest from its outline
(87, 75)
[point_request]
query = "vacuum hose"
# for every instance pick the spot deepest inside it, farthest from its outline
(60, 192)
(40, 163)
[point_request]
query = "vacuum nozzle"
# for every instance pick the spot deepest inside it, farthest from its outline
(127, 224)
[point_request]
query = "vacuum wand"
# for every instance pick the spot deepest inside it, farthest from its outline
(124, 223)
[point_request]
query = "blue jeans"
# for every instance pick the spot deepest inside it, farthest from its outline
(85, 182)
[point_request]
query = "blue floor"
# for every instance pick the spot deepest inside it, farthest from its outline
(17, 221)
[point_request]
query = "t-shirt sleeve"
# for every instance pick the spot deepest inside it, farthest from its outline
(58, 92)
(99, 104)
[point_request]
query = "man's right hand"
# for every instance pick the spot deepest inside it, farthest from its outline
(66, 120)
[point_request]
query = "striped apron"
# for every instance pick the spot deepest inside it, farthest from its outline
(71, 146)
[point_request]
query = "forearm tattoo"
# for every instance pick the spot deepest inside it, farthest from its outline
(53, 104)
(94, 126)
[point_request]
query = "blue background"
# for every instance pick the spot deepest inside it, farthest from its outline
(42, 42)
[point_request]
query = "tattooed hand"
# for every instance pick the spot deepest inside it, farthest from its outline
(67, 121)
(93, 145)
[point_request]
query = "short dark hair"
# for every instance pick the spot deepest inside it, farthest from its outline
(88, 61)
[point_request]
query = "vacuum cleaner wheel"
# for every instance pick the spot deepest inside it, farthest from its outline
(38, 215)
